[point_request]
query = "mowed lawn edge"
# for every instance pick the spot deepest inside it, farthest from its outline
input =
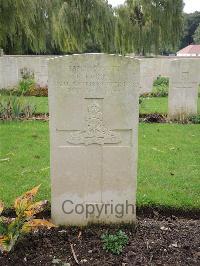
(168, 163)
(149, 105)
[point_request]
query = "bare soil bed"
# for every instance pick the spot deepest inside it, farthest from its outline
(156, 240)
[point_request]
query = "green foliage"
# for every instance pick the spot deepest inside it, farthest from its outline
(11, 229)
(66, 26)
(22, 25)
(61, 26)
(160, 87)
(160, 91)
(195, 119)
(114, 243)
(25, 85)
(27, 82)
(191, 23)
(161, 81)
(13, 107)
(196, 36)
(145, 26)
(84, 24)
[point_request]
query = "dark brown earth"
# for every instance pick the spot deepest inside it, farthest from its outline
(42, 117)
(145, 118)
(148, 118)
(157, 240)
(153, 118)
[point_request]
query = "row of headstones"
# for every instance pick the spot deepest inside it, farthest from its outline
(94, 114)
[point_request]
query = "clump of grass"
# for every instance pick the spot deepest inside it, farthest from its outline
(13, 107)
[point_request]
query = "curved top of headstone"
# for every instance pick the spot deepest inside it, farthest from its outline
(94, 67)
(185, 70)
(93, 55)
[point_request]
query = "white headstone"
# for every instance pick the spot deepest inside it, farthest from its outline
(94, 135)
(183, 91)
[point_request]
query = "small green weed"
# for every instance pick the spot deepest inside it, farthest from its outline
(114, 243)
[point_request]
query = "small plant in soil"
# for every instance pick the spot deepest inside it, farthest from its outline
(11, 229)
(114, 243)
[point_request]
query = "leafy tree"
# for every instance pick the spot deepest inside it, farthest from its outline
(68, 26)
(191, 22)
(24, 25)
(84, 24)
(45, 26)
(196, 36)
(149, 25)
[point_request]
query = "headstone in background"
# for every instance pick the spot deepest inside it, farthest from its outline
(93, 102)
(183, 91)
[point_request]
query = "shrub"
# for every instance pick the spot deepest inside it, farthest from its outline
(34, 90)
(27, 80)
(160, 81)
(11, 229)
(195, 119)
(114, 243)
(25, 85)
(160, 87)
(13, 107)
(160, 91)
(37, 91)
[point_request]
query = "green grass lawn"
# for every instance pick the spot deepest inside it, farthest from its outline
(169, 163)
(157, 105)
(154, 105)
(148, 106)
(40, 102)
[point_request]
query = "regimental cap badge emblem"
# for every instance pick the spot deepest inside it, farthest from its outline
(96, 132)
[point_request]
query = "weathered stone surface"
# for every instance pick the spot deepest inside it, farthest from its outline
(150, 69)
(11, 66)
(93, 102)
(183, 92)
